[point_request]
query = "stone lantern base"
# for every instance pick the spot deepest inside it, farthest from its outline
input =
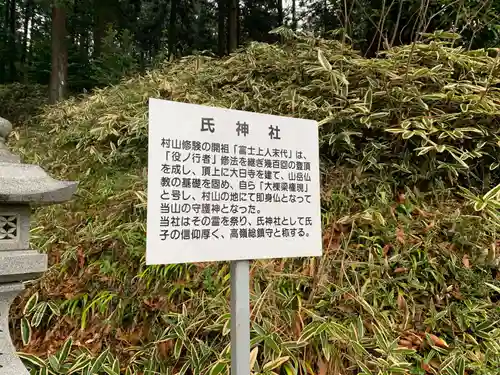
(10, 364)
(22, 186)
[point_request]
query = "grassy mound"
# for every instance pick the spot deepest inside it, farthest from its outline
(409, 280)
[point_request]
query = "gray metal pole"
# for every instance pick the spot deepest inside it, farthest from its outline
(240, 317)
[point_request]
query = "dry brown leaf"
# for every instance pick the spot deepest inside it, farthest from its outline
(434, 363)
(401, 302)
(457, 294)
(400, 235)
(81, 257)
(322, 367)
(465, 261)
(429, 226)
(406, 343)
(345, 308)
(312, 267)
(401, 198)
(435, 340)
(423, 213)
(426, 367)
(400, 270)
(438, 341)
(386, 249)
(298, 326)
(415, 339)
(393, 212)
(281, 265)
(165, 348)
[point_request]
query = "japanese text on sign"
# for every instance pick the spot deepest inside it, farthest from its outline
(227, 185)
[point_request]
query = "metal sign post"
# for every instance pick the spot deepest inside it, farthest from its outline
(240, 317)
(228, 185)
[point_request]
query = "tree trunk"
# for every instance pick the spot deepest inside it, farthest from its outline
(4, 45)
(221, 30)
(99, 29)
(294, 15)
(325, 16)
(84, 47)
(27, 18)
(12, 39)
(31, 28)
(171, 30)
(59, 76)
(280, 12)
(81, 29)
(233, 25)
(238, 23)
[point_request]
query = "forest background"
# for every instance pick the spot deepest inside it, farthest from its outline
(76, 45)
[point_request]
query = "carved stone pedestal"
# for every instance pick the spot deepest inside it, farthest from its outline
(10, 364)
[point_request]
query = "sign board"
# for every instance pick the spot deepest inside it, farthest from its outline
(230, 185)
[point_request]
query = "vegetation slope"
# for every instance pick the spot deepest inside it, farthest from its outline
(409, 280)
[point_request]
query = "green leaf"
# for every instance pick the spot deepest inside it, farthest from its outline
(30, 305)
(492, 193)
(480, 205)
(289, 369)
(379, 115)
(185, 368)
(494, 287)
(271, 343)
(365, 368)
(38, 315)
(32, 360)
(396, 130)
(219, 368)
(368, 98)
(54, 308)
(80, 364)
(178, 348)
(54, 363)
(404, 351)
(275, 364)
(97, 364)
(25, 331)
(66, 348)
(460, 160)
(440, 148)
(109, 370)
(323, 61)
(293, 345)
(469, 129)
(422, 103)
(408, 134)
(461, 366)
(116, 366)
(311, 330)
(253, 357)
(226, 329)
(424, 150)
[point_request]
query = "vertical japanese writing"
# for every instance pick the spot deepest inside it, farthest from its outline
(224, 191)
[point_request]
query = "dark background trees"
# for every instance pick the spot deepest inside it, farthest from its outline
(73, 45)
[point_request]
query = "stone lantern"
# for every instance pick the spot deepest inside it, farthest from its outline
(21, 187)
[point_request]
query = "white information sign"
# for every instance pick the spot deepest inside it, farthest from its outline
(230, 185)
